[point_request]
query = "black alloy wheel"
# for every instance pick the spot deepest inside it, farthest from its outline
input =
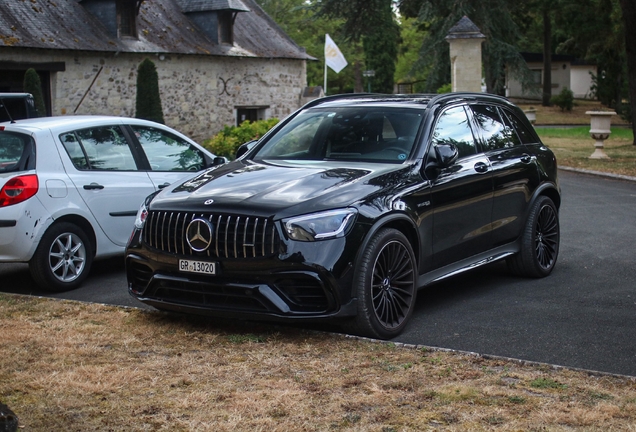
(539, 241)
(547, 236)
(386, 285)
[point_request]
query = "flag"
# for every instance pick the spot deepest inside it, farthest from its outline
(333, 57)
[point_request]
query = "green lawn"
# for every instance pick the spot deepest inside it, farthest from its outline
(573, 147)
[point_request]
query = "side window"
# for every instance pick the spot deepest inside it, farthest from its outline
(496, 135)
(453, 128)
(99, 148)
(168, 152)
(523, 134)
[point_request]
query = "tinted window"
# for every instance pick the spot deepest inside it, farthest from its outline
(99, 148)
(380, 134)
(168, 152)
(495, 134)
(453, 128)
(17, 152)
(523, 134)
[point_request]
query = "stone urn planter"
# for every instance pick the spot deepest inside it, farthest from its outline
(531, 113)
(600, 130)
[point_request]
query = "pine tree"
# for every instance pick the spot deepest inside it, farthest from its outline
(373, 22)
(148, 103)
(33, 85)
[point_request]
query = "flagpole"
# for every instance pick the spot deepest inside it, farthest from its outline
(325, 87)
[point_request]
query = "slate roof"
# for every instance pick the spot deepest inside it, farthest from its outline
(465, 29)
(162, 27)
(208, 5)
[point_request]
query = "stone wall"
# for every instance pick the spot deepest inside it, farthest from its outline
(199, 94)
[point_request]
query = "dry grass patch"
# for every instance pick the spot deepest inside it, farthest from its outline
(74, 366)
(554, 116)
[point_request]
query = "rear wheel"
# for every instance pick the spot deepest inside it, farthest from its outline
(63, 258)
(386, 285)
(539, 241)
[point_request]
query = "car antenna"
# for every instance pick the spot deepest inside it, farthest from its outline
(4, 105)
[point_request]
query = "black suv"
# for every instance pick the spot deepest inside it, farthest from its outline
(349, 206)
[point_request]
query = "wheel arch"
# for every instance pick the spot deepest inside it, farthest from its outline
(397, 221)
(85, 225)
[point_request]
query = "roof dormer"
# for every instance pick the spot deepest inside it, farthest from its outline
(118, 16)
(215, 18)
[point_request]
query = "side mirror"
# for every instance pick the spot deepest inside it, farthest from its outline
(219, 160)
(244, 148)
(447, 154)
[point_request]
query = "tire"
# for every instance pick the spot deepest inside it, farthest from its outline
(386, 285)
(539, 241)
(63, 258)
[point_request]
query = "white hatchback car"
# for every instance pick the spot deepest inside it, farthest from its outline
(70, 188)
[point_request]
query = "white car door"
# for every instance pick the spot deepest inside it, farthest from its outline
(105, 173)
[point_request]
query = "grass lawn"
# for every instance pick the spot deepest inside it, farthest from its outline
(573, 147)
(70, 366)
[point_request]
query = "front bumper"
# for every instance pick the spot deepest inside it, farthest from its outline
(304, 281)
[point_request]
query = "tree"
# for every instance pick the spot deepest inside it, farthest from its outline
(494, 19)
(373, 23)
(411, 35)
(33, 85)
(148, 103)
(301, 20)
(629, 18)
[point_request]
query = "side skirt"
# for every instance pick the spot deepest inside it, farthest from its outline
(468, 264)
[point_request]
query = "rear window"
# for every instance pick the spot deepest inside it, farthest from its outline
(17, 152)
(16, 107)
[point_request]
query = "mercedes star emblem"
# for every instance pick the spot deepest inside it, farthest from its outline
(199, 234)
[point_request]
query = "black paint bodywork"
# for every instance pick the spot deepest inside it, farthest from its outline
(456, 217)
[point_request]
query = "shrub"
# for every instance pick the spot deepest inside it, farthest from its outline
(33, 85)
(446, 88)
(226, 142)
(564, 100)
(148, 103)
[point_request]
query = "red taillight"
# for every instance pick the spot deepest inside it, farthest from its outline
(18, 189)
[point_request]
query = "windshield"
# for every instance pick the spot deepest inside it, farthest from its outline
(374, 134)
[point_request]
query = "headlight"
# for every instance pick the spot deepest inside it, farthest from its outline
(320, 226)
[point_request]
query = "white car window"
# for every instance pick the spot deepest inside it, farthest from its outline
(99, 148)
(168, 152)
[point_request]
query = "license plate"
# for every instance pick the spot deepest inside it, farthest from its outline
(197, 267)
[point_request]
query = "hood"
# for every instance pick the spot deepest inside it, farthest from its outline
(278, 188)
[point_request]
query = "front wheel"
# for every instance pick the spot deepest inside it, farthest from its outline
(63, 258)
(539, 241)
(386, 285)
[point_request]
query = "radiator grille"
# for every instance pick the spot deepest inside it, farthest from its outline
(233, 237)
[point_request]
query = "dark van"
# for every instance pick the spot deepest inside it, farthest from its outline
(15, 106)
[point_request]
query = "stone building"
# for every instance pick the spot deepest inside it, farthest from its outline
(219, 61)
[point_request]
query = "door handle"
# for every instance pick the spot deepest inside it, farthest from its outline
(93, 186)
(525, 158)
(481, 167)
(161, 186)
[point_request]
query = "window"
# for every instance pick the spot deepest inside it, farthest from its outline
(100, 148)
(126, 18)
(453, 128)
(17, 152)
(251, 114)
(168, 152)
(523, 135)
(494, 133)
